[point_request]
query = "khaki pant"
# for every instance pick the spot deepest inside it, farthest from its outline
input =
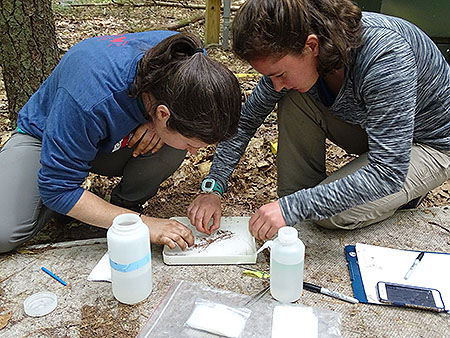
(303, 126)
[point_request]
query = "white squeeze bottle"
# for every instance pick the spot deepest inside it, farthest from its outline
(130, 259)
(287, 257)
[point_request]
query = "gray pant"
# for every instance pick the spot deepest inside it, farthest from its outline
(21, 211)
(303, 126)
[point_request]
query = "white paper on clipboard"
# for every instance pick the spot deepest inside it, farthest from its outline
(378, 263)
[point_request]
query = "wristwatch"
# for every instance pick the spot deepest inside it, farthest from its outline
(210, 186)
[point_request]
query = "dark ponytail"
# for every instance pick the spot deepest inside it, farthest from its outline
(202, 95)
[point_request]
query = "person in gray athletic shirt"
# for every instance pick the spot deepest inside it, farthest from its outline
(375, 85)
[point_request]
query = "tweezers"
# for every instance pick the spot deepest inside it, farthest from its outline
(257, 296)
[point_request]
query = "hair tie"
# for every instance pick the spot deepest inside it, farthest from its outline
(199, 50)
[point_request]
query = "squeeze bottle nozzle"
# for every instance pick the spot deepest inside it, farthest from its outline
(267, 244)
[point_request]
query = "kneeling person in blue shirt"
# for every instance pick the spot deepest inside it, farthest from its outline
(126, 105)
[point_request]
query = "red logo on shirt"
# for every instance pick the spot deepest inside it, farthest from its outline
(123, 142)
(117, 40)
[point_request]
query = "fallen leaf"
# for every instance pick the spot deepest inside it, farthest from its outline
(262, 164)
(4, 319)
(204, 167)
(26, 252)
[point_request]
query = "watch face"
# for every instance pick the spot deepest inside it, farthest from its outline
(208, 185)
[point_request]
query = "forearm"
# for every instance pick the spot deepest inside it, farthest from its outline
(326, 200)
(93, 210)
(260, 103)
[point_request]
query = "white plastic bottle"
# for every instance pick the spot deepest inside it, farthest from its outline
(130, 259)
(287, 257)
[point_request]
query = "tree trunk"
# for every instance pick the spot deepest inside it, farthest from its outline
(28, 49)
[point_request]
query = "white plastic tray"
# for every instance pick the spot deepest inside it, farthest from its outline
(230, 244)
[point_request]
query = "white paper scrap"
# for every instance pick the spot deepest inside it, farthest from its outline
(294, 322)
(102, 271)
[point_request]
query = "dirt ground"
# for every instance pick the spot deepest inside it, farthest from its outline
(253, 182)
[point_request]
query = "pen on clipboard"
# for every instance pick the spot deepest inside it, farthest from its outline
(413, 266)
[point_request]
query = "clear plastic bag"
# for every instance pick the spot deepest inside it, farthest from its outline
(169, 318)
(218, 318)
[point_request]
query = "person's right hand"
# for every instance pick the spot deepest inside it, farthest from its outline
(168, 232)
(145, 139)
(202, 208)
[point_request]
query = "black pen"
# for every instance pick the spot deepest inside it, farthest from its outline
(307, 286)
(334, 294)
(416, 262)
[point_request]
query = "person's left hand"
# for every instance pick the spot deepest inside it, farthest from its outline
(146, 139)
(264, 224)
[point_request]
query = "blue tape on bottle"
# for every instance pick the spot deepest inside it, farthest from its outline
(130, 267)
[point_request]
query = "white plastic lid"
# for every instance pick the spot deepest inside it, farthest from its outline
(287, 235)
(40, 304)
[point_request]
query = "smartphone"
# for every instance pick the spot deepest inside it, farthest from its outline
(410, 296)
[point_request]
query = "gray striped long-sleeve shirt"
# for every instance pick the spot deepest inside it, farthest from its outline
(396, 87)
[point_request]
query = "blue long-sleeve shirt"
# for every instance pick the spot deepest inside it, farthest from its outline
(396, 87)
(84, 108)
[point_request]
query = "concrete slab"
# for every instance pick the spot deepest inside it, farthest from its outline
(88, 309)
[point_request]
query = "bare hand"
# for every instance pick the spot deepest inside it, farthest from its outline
(169, 232)
(266, 222)
(202, 208)
(146, 139)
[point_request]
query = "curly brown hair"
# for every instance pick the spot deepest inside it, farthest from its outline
(275, 28)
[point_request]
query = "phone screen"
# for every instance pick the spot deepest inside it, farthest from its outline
(414, 296)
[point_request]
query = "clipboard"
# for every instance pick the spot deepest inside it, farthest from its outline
(355, 274)
(369, 264)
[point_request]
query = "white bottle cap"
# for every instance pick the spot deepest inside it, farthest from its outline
(287, 235)
(40, 304)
